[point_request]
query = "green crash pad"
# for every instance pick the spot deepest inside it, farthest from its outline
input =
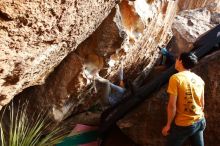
(81, 138)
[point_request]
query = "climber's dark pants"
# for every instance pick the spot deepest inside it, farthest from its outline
(179, 134)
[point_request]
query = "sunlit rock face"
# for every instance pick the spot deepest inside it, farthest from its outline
(189, 25)
(54, 45)
(144, 124)
(35, 36)
(150, 29)
(193, 4)
(130, 35)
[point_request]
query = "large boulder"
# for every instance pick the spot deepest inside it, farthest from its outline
(191, 4)
(144, 124)
(40, 35)
(189, 25)
(35, 36)
(126, 35)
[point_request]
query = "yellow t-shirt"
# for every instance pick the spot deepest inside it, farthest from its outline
(188, 87)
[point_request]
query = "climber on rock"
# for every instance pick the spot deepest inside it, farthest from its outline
(110, 94)
(185, 108)
(167, 58)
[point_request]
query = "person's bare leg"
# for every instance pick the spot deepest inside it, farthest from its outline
(103, 90)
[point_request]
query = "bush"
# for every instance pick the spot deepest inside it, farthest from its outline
(25, 131)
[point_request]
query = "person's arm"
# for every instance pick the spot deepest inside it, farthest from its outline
(121, 75)
(121, 84)
(202, 100)
(171, 112)
(171, 107)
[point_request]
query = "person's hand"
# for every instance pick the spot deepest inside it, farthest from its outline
(166, 130)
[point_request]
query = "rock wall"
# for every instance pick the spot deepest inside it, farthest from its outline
(145, 123)
(140, 45)
(47, 50)
(193, 4)
(189, 25)
(35, 36)
(126, 35)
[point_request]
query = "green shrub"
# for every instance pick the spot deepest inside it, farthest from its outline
(25, 131)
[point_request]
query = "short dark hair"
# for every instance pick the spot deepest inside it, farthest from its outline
(189, 60)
